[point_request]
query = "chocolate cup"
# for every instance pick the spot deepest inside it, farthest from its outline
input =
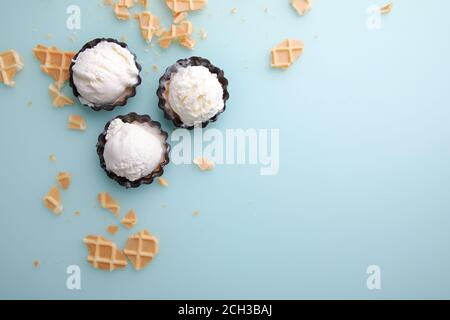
(129, 94)
(163, 104)
(130, 118)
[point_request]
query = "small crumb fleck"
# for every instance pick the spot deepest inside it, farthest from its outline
(36, 263)
(196, 213)
(52, 157)
(112, 229)
(72, 39)
(233, 11)
(163, 182)
(77, 213)
(49, 36)
(155, 67)
(203, 34)
(29, 104)
(387, 8)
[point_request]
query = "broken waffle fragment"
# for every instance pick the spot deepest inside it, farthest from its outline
(302, 6)
(121, 11)
(179, 17)
(186, 5)
(10, 64)
(286, 53)
(141, 248)
(109, 203)
(112, 229)
(177, 32)
(204, 164)
(77, 122)
(59, 100)
(387, 8)
(188, 42)
(64, 179)
(148, 23)
(103, 254)
(52, 201)
(163, 182)
(130, 219)
(54, 62)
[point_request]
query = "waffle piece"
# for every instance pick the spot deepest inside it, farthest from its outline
(188, 42)
(10, 64)
(179, 17)
(130, 219)
(104, 254)
(186, 5)
(64, 179)
(121, 11)
(109, 203)
(58, 99)
(148, 23)
(112, 229)
(54, 62)
(177, 32)
(141, 248)
(204, 164)
(301, 6)
(76, 122)
(286, 53)
(387, 8)
(127, 3)
(143, 3)
(52, 201)
(163, 182)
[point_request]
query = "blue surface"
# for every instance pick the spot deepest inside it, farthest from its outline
(364, 159)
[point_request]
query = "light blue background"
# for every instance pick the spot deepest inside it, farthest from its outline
(365, 159)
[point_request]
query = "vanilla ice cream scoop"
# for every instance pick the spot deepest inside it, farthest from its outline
(104, 74)
(133, 150)
(195, 94)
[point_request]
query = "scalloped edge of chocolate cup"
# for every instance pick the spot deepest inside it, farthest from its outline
(169, 114)
(159, 171)
(106, 107)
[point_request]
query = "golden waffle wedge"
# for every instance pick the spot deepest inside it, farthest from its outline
(141, 248)
(109, 203)
(301, 6)
(176, 33)
(130, 219)
(186, 5)
(387, 8)
(76, 122)
(121, 11)
(10, 64)
(64, 179)
(52, 201)
(54, 62)
(148, 23)
(204, 164)
(286, 53)
(59, 100)
(104, 254)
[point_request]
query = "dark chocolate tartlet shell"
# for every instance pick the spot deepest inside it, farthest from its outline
(164, 81)
(107, 107)
(130, 118)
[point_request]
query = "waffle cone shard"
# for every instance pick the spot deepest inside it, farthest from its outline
(130, 219)
(77, 122)
(286, 53)
(177, 32)
(58, 99)
(141, 248)
(302, 6)
(52, 201)
(121, 11)
(64, 179)
(186, 5)
(149, 24)
(109, 203)
(10, 64)
(54, 62)
(104, 254)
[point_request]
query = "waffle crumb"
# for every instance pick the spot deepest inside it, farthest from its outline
(155, 68)
(286, 53)
(186, 5)
(64, 179)
(233, 11)
(77, 213)
(29, 104)
(52, 201)
(112, 229)
(203, 34)
(196, 213)
(130, 219)
(76, 122)
(163, 182)
(121, 11)
(148, 23)
(302, 6)
(109, 203)
(387, 8)
(204, 164)
(36, 263)
(58, 99)
(52, 157)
